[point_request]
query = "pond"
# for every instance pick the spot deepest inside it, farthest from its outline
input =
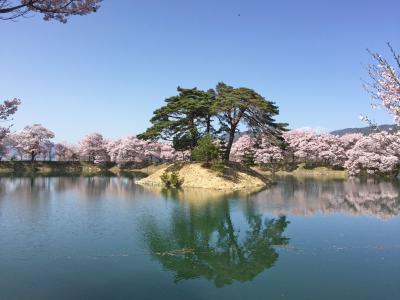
(108, 238)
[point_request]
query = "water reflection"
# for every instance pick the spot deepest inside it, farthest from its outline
(206, 241)
(307, 196)
(107, 237)
(290, 196)
(85, 187)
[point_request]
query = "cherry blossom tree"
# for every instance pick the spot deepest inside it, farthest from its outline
(61, 151)
(329, 150)
(167, 152)
(302, 144)
(239, 148)
(264, 151)
(268, 153)
(306, 146)
(134, 150)
(7, 109)
(66, 152)
(6, 147)
(127, 150)
(349, 140)
(59, 10)
(385, 83)
(152, 151)
(49, 152)
(375, 154)
(34, 140)
(113, 148)
(93, 148)
(13, 141)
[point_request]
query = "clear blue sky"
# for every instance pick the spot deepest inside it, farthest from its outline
(108, 71)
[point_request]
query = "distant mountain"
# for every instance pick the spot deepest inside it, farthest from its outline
(366, 130)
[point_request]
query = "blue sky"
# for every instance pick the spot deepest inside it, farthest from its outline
(108, 71)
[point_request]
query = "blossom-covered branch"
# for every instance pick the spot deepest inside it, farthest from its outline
(59, 10)
(7, 109)
(385, 83)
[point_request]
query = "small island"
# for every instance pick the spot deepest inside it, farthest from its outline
(231, 177)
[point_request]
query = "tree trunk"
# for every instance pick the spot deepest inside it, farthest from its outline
(193, 133)
(33, 155)
(230, 143)
(208, 124)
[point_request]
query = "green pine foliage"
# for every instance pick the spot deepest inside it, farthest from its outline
(184, 118)
(206, 150)
(193, 114)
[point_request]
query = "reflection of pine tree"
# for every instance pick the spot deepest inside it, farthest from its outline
(203, 242)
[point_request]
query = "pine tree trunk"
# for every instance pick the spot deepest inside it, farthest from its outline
(208, 122)
(230, 143)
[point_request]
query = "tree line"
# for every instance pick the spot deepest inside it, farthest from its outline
(201, 125)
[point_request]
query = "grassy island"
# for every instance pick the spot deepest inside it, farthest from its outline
(232, 176)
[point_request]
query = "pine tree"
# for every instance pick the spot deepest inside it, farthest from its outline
(184, 119)
(235, 106)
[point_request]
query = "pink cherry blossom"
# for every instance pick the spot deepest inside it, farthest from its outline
(7, 109)
(133, 150)
(375, 154)
(385, 85)
(34, 140)
(126, 150)
(66, 152)
(93, 148)
(239, 148)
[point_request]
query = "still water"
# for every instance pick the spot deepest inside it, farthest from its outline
(107, 238)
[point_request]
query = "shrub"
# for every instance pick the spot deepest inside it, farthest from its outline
(165, 179)
(171, 180)
(218, 166)
(175, 180)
